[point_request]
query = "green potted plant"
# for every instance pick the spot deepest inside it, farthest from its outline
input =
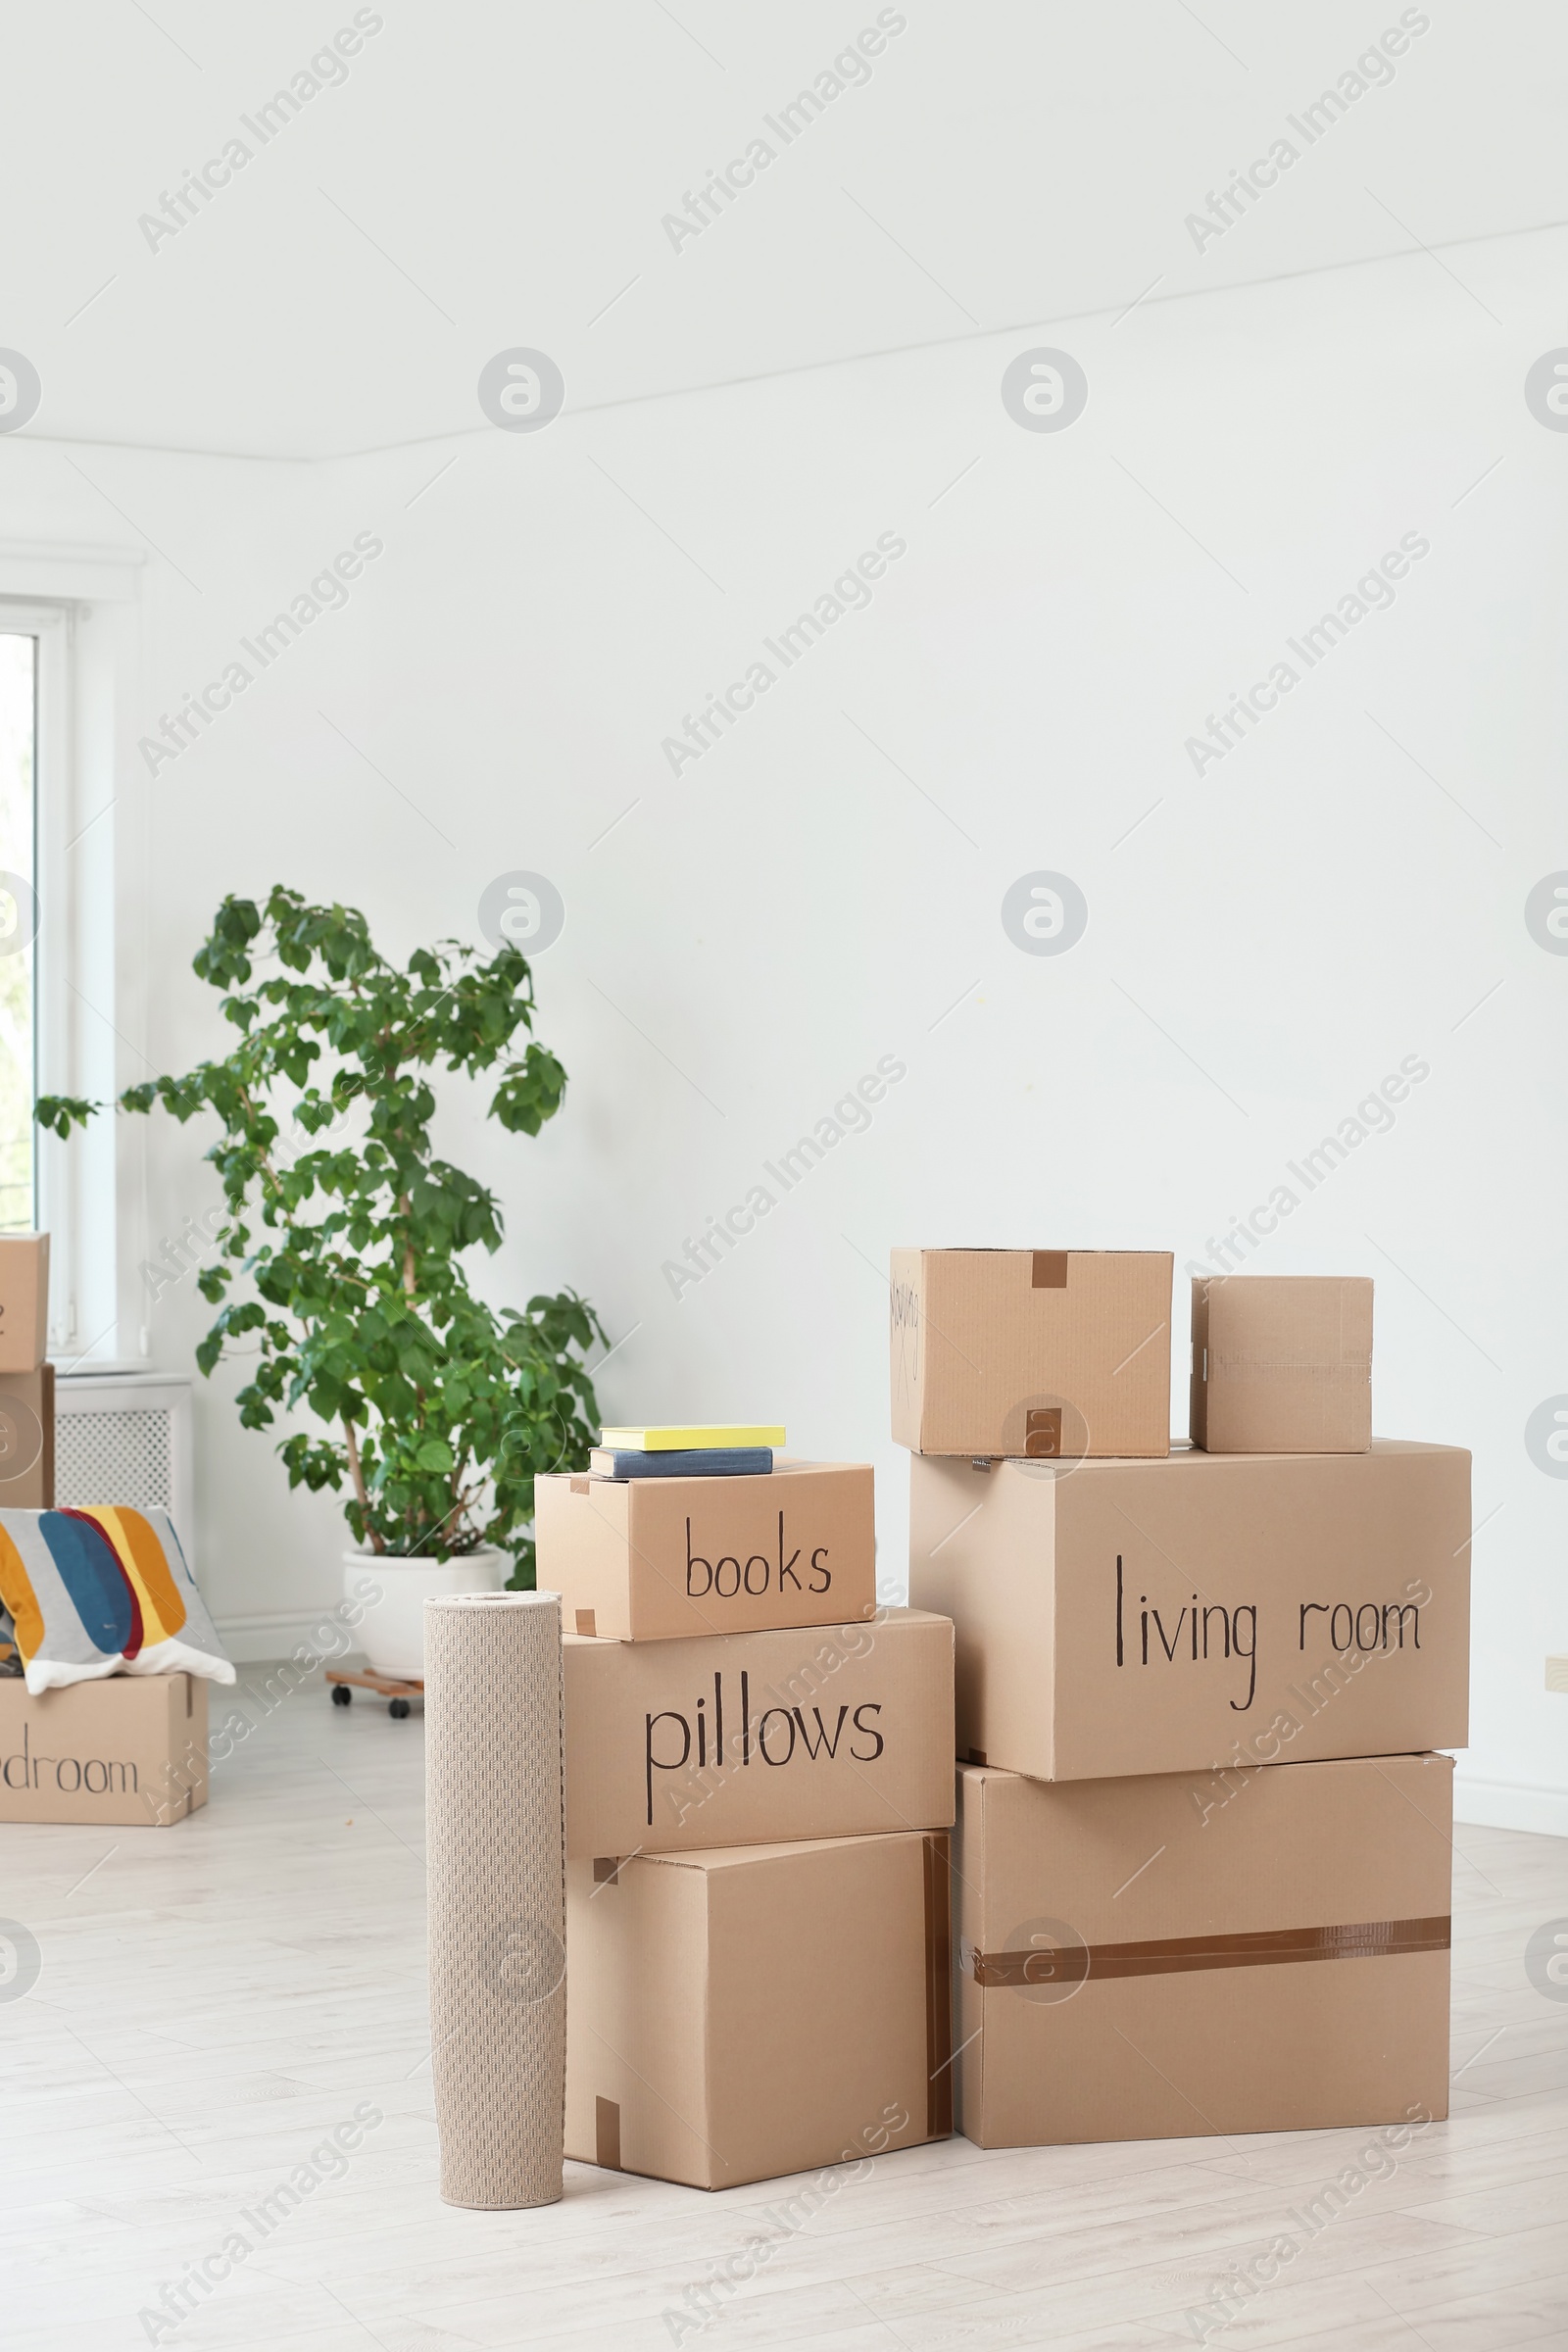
(339, 1262)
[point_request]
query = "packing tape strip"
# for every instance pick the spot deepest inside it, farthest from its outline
(1180, 1955)
(937, 1988)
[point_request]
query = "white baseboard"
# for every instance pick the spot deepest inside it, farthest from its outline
(1509, 1805)
(272, 1632)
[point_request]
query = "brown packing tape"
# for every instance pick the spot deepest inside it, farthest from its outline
(938, 1988)
(1049, 1270)
(1181, 1955)
(585, 1622)
(607, 2135)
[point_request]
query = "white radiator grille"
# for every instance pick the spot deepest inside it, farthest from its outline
(121, 1457)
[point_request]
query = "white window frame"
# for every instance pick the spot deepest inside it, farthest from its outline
(50, 625)
(81, 604)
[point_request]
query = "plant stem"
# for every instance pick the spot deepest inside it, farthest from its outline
(405, 1210)
(357, 1476)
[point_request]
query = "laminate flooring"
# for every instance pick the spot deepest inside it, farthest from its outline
(214, 1999)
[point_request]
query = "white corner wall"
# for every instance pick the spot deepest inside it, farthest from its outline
(1340, 895)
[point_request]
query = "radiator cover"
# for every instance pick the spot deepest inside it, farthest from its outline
(125, 1438)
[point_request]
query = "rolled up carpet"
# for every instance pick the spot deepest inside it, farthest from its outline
(497, 1894)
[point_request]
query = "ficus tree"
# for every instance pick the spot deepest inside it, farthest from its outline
(340, 1264)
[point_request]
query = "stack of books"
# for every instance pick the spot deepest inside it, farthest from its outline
(726, 1451)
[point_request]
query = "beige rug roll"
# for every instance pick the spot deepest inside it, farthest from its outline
(497, 1894)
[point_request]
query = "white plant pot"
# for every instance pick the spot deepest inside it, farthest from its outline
(392, 1630)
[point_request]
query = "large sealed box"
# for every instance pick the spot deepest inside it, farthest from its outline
(1281, 1363)
(1263, 1951)
(28, 1440)
(1043, 1353)
(1136, 1617)
(763, 2009)
(24, 1300)
(744, 1738)
(124, 1750)
(655, 1559)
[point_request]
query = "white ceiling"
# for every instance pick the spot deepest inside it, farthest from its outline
(491, 176)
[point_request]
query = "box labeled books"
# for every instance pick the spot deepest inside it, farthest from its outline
(661, 1558)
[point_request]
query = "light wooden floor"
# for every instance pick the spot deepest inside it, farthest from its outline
(215, 1998)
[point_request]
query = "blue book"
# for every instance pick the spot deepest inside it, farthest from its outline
(696, 1461)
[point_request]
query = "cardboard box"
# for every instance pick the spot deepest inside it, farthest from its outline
(1152, 1959)
(24, 1300)
(126, 1749)
(1136, 1617)
(659, 1559)
(828, 1731)
(763, 2009)
(1281, 1363)
(1047, 1353)
(28, 1440)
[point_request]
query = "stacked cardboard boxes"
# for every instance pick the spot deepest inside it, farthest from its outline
(27, 1381)
(126, 1751)
(1203, 1842)
(758, 1792)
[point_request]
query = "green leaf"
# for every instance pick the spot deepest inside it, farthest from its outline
(58, 1113)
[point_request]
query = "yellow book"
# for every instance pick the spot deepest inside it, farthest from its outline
(673, 1441)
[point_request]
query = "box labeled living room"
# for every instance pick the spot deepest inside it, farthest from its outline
(1149, 1616)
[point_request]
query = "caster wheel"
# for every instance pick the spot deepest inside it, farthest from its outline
(397, 1708)
(341, 1695)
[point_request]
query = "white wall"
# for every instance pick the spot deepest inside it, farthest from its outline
(1270, 940)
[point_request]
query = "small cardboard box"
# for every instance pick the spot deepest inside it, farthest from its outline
(28, 1440)
(1281, 1363)
(660, 1560)
(824, 1732)
(24, 1300)
(759, 2010)
(1046, 1353)
(1138, 1617)
(1257, 1951)
(129, 1749)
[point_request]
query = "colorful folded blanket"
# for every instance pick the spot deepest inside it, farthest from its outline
(100, 1591)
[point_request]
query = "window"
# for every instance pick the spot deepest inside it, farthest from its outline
(18, 923)
(72, 929)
